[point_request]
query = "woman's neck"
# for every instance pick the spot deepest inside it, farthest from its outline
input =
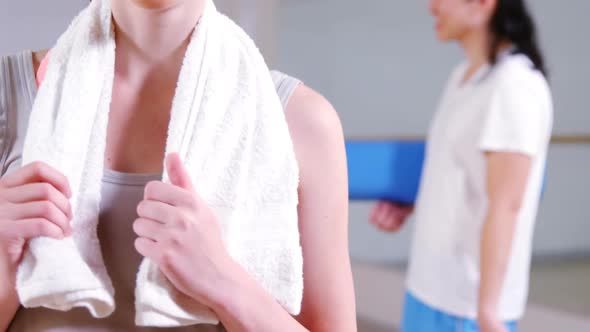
(476, 45)
(153, 37)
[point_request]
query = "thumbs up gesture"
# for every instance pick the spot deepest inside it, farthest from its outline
(179, 232)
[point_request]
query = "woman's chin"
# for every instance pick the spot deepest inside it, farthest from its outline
(156, 4)
(442, 37)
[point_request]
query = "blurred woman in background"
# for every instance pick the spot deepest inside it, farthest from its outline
(483, 175)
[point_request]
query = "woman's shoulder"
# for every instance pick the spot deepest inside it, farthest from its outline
(518, 70)
(38, 57)
(314, 123)
(17, 78)
(35, 57)
(17, 92)
(20, 67)
(306, 110)
(516, 76)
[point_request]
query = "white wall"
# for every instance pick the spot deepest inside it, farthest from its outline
(380, 65)
(29, 24)
(381, 61)
(258, 18)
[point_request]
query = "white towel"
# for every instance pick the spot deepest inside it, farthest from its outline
(227, 124)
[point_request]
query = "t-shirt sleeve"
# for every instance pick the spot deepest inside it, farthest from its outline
(516, 119)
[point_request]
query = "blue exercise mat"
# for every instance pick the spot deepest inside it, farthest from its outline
(385, 170)
(388, 170)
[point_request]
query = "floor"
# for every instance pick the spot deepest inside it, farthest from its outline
(366, 325)
(563, 285)
(559, 298)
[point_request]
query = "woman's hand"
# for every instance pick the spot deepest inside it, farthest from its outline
(34, 202)
(180, 233)
(490, 323)
(389, 216)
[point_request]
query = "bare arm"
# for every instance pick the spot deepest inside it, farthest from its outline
(8, 299)
(507, 176)
(328, 303)
(9, 303)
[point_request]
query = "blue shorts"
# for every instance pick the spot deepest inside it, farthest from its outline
(419, 317)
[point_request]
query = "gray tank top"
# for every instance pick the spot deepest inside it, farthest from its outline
(121, 192)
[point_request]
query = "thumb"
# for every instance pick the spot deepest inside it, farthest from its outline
(177, 172)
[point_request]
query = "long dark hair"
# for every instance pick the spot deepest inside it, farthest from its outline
(513, 22)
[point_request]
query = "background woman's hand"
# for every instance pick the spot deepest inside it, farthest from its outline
(390, 216)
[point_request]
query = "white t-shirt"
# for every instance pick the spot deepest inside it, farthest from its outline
(507, 108)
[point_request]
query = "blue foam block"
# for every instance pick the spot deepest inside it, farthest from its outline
(388, 170)
(385, 170)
